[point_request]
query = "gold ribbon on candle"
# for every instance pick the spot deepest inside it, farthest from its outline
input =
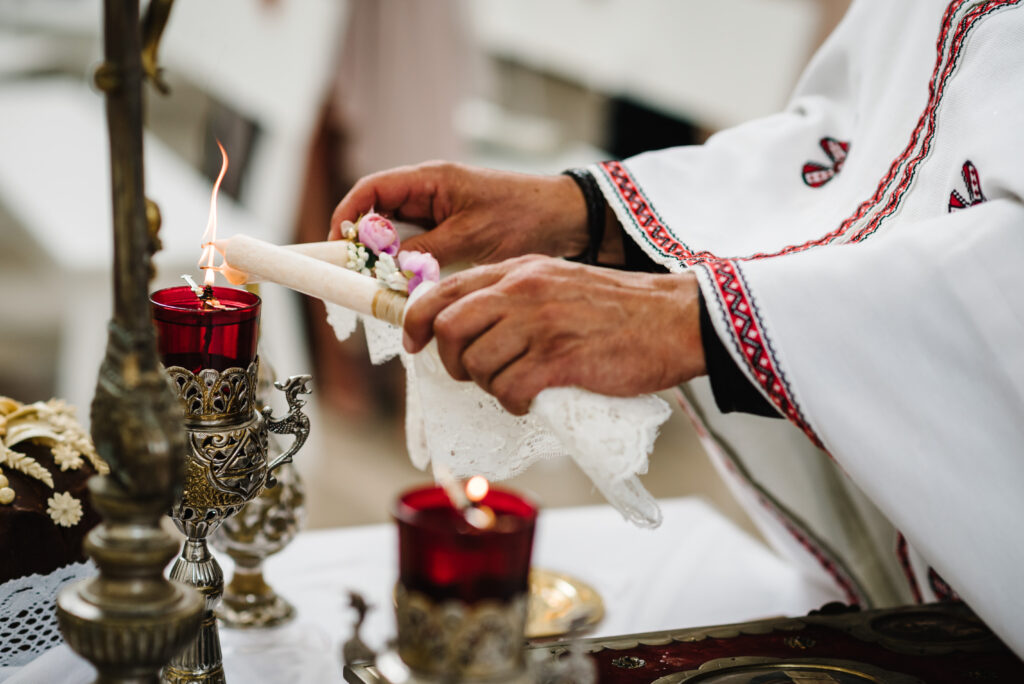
(389, 306)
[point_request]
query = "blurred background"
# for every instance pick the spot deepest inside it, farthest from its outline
(309, 95)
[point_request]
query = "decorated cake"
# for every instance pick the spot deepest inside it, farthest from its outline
(46, 460)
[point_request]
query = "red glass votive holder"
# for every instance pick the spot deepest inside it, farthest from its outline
(463, 591)
(195, 336)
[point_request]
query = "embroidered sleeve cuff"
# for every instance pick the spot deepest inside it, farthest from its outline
(733, 391)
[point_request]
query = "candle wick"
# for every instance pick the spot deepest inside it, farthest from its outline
(193, 285)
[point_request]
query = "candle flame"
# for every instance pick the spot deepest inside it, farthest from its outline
(477, 488)
(210, 236)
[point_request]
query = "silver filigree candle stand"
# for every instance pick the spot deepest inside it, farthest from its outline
(227, 466)
(262, 528)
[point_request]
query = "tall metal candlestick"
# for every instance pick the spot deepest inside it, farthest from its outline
(130, 620)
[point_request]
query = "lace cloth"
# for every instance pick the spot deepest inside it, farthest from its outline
(28, 616)
(467, 432)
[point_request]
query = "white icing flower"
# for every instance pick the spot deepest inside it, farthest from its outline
(61, 406)
(349, 230)
(6, 495)
(67, 457)
(64, 509)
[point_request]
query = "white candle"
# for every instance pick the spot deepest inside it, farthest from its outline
(333, 252)
(247, 259)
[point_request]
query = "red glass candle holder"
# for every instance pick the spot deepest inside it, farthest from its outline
(195, 336)
(463, 591)
(445, 557)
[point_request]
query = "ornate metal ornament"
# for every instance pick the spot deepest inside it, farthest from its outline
(457, 641)
(227, 466)
(263, 527)
(130, 620)
(215, 396)
(796, 671)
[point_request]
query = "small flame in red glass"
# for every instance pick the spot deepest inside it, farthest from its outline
(210, 236)
(477, 488)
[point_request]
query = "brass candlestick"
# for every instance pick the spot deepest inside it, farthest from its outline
(227, 466)
(130, 620)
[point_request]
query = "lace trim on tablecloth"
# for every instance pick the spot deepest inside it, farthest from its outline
(28, 615)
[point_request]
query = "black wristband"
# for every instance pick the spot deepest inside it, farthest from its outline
(595, 214)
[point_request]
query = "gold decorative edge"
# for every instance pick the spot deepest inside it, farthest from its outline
(585, 611)
(710, 670)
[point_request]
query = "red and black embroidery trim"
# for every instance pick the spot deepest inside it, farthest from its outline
(840, 578)
(815, 547)
(943, 591)
(963, 29)
(904, 557)
(749, 334)
(662, 240)
(815, 174)
(974, 194)
(760, 357)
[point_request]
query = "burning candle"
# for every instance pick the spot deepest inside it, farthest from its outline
(195, 335)
(445, 553)
(209, 327)
(463, 581)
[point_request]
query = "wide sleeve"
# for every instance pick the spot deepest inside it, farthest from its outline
(810, 174)
(903, 357)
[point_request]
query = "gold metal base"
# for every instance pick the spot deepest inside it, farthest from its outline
(242, 612)
(458, 641)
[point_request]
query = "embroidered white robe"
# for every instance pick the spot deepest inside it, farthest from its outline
(861, 256)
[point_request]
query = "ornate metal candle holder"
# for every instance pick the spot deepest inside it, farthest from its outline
(226, 466)
(461, 598)
(263, 527)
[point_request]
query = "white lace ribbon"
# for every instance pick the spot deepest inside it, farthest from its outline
(466, 432)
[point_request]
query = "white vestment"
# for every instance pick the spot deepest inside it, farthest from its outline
(860, 254)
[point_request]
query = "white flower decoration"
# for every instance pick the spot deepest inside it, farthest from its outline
(64, 509)
(357, 258)
(387, 272)
(66, 456)
(349, 230)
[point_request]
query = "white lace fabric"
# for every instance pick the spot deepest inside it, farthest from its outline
(28, 616)
(464, 431)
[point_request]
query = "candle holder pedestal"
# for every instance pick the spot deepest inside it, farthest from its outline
(263, 527)
(226, 467)
(479, 641)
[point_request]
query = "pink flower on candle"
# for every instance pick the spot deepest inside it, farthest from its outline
(377, 234)
(419, 267)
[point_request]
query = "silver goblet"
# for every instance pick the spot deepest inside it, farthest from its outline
(227, 466)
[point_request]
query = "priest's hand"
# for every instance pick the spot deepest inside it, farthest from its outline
(526, 324)
(476, 215)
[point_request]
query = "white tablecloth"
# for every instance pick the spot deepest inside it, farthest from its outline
(696, 569)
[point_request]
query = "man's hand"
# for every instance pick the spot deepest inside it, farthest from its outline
(526, 324)
(475, 215)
